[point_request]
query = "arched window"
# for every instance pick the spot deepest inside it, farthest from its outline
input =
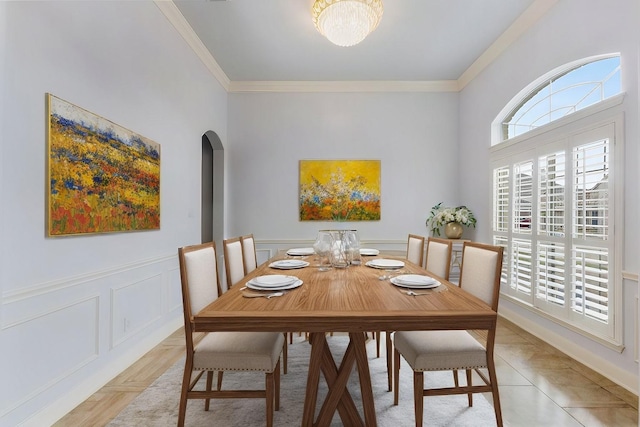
(557, 193)
(564, 92)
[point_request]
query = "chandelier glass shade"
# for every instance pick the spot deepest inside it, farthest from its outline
(346, 22)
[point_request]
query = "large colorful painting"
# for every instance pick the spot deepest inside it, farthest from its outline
(339, 190)
(101, 177)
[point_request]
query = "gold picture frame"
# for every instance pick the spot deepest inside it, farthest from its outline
(101, 177)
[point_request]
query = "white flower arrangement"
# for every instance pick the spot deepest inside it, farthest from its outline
(440, 216)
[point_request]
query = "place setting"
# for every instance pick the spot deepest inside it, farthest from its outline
(289, 264)
(385, 264)
(301, 252)
(369, 252)
(416, 282)
(275, 284)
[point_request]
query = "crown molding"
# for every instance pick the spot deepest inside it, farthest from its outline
(344, 86)
(175, 17)
(525, 21)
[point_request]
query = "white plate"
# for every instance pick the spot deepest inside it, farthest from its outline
(271, 280)
(288, 264)
(403, 285)
(385, 263)
(300, 251)
(293, 285)
(415, 279)
(369, 252)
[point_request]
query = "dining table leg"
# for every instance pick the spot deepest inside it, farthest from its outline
(317, 341)
(359, 345)
(338, 396)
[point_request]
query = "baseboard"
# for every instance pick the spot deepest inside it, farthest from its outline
(58, 409)
(592, 361)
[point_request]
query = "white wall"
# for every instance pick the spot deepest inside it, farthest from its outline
(76, 310)
(573, 29)
(413, 134)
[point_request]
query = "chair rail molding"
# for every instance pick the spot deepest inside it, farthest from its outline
(26, 292)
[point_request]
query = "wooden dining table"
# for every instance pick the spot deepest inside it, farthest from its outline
(353, 300)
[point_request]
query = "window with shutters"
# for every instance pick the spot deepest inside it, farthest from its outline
(554, 209)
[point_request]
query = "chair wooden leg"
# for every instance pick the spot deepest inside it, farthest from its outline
(378, 334)
(276, 379)
(209, 382)
(494, 391)
(219, 385)
(418, 400)
(470, 395)
(186, 380)
(269, 386)
(285, 354)
(389, 351)
(455, 378)
(396, 376)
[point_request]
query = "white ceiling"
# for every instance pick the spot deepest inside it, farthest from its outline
(417, 40)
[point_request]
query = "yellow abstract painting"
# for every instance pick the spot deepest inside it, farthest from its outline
(101, 177)
(339, 190)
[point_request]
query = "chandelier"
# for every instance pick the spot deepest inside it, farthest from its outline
(346, 22)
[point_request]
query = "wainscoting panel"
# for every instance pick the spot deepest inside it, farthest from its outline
(135, 306)
(62, 340)
(43, 355)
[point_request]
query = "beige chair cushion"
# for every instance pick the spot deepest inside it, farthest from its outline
(415, 250)
(249, 254)
(202, 273)
(438, 259)
(235, 262)
(440, 350)
(238, 351)
(479, 272)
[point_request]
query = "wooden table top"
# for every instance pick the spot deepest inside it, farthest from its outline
(344, 300)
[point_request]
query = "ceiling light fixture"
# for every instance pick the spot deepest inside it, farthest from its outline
(346, 22)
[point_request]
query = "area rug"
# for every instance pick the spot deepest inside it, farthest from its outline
(158, 404)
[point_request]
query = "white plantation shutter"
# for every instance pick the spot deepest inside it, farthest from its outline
(551, 194)
(522, 196)
(501, 199)
(555, 225)
(551, 273)
(590, 190)
(521, 265)
(590, 293)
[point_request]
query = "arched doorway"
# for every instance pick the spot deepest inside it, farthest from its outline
(212, 201)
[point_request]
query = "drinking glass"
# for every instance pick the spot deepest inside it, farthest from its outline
(322, 247)
(353, 247)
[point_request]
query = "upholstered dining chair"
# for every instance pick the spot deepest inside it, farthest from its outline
(415, 254)
(249, 256)
(233, 260)
(221, 351)
(235, 269)
(415, 249)
(456, 350)
(438, 262)
(439, 257)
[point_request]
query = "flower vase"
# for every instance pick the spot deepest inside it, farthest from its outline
(453, 230)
